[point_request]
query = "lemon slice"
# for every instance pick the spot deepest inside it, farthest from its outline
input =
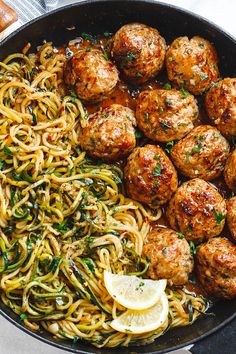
(142, 321)
(132, 292)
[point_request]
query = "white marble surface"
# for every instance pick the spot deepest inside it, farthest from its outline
(222, 12)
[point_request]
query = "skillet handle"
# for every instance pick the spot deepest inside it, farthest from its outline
(7, 16)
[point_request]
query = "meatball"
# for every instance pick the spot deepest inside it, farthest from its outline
(109, 133)
(202, 153)
(230, 171)
(221, 106)
(139, 50)
(165, 115)
(197, 210)
(91, 75)
(150, 177)
(216, 267)
(170, 256)
(192, 63)
(231, 216)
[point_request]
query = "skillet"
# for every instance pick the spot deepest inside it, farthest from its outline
(96, 17)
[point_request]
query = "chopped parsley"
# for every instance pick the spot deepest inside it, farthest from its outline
(184, 92)
(168, 102)
(180, 235)
(167, 86)
(138, 74)
(105, 56)
(193, 249)
(146, 117)
(89, 37)
(219, 217)
(138, 134)
(23, 316)
(157, 170)
(107, 34)
(204, 77)
(170, 59)
(156, 157)
(169, 146)
(197, 149)
(130, 57)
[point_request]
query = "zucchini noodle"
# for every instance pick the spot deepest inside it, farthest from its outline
(64, 219)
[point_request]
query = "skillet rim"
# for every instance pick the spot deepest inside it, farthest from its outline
(180, 10)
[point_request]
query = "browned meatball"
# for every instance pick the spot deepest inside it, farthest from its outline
(197, 210)
(230, 171)
(109, 133)
(216, 267)
(150, 176)
(231, 216)
(91, 75)
(170, 256)
(165, 115)
(139, 50)
(193, 63)
(202, 153)
(221, 106)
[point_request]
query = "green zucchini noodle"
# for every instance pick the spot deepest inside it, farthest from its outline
(64, 219)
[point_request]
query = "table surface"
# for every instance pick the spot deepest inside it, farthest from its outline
(14, 341)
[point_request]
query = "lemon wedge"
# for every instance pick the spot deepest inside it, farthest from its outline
(132, 292)
(142, 321)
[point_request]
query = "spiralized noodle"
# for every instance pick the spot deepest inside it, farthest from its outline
(64, 219)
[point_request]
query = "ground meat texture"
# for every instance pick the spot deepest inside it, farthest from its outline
(139, 51)
(202, 153)
(170, 256)
(197, 210)
(150, 177)
(216, 267)
(230, 171)
(192, 63)
(221, 106)
(231, 216)
(165, 115)
(90, 75)
(109, 133)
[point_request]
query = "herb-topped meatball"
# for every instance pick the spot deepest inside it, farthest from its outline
(150, 176)
(170, 256)
(202, 153)
(109, 133)
(197, 210)
(231, 216)
(221, 106)
(230, 171)
(139, 50)
(90, 74)
(165, 115)
(216, 267)
(192, 63)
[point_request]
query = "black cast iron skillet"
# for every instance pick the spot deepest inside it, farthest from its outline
(97, 17)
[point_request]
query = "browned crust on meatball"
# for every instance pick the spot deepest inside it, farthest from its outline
(170, 256)
(231, 216)
(150, 177)
(139, 50)
(230, 171)
(109, 133)
(221, 106)
(90, 74)
(193, 63)
(202, 153)
(216, 267)
(165, 115)
(197, 210)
